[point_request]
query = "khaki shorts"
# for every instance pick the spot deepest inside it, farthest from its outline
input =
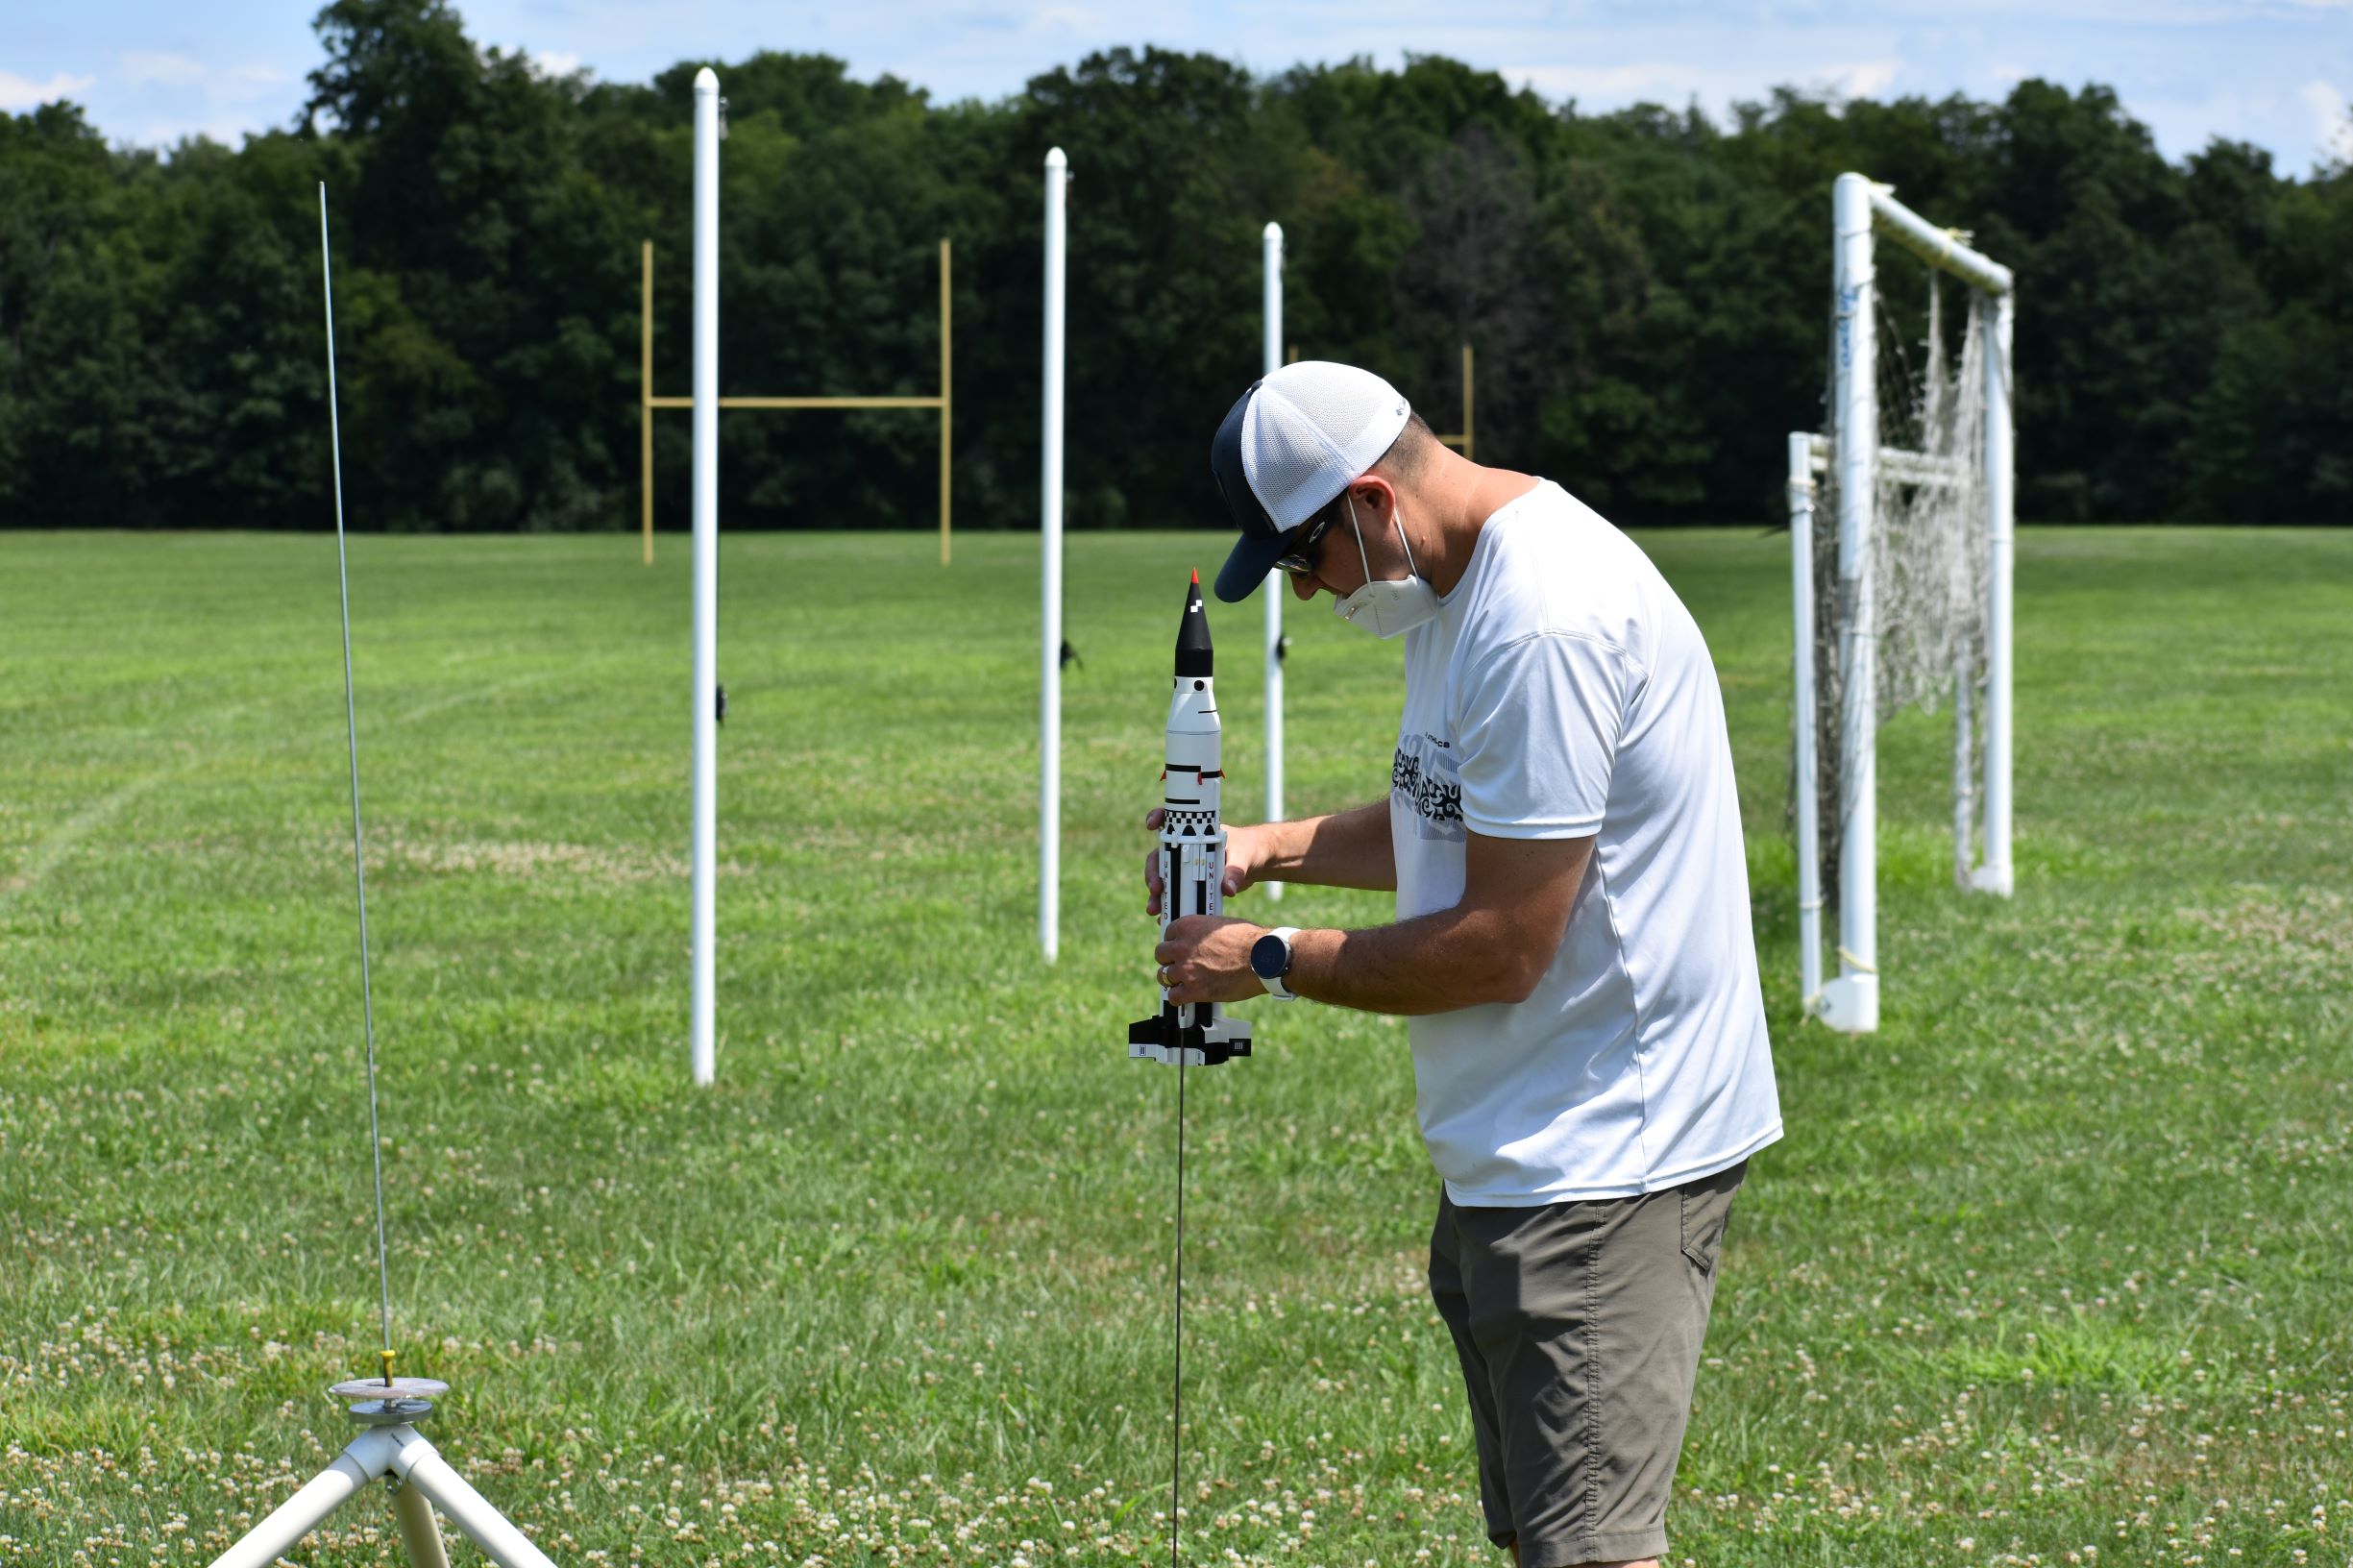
(1579, 1328)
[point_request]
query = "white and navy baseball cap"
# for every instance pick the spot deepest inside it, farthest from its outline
(1289, 445)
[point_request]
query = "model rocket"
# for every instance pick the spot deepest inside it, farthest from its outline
(1192, 849)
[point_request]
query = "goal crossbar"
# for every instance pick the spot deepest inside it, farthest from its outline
(1946, 250)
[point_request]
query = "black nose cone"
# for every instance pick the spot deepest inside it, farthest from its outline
(1192, 646)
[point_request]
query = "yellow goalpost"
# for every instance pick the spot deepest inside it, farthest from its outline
(648, 403)
(1463, 438)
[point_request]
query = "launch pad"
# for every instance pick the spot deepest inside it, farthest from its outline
(389, 1447)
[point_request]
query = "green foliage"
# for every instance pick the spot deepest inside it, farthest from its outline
(1646, 289)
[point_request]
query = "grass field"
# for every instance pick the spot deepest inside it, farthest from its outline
(2056, 1268)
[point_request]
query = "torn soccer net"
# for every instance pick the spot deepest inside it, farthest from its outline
(1929, 557)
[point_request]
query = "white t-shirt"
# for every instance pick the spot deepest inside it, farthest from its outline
(1563, 692)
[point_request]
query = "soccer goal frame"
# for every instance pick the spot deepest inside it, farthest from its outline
(1863, 212)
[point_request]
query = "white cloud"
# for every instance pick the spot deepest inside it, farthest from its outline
(162, 70)
(1614, 83)
(23, 93)
(1675, 83)
(2332, 119)
(213, 84)
(1862, 78)
(229, 129)
(1075, 19)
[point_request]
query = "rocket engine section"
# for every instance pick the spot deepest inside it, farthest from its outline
(1192, 847)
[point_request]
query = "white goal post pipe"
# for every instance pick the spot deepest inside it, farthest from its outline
(1995, 875)
(1944, 249)
(706, 562)
(1808, 773)
(1271, 320)
(1964, 785)
(1049, 529)
(1861, 210)
(1940, 247)
(1852, 1001)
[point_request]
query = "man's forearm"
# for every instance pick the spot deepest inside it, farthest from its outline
(1346, 850)
(1493, 946)
(1434, 963)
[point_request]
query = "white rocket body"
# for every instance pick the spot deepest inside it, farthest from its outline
(1193, 852)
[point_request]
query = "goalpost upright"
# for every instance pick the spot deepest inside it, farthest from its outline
(702, 920)
(1049, 532)
(1464, 439)
(1276, 587)
(1862, 471)
(710, 129)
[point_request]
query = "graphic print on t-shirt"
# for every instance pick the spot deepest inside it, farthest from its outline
(1425, 777)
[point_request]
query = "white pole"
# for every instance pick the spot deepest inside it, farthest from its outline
(1852, 1001)
(1963, 786)
(2001, 527)
(1271, 319)
(1049, 526)
(1808, 780)
(706, 554)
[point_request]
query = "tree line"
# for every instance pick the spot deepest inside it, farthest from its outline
(1648, 290)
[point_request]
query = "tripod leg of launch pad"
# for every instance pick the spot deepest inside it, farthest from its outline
(369, 1455)
(420, 1531)
(428, 1472)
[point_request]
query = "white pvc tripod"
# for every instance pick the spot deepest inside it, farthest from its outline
(419, 1479)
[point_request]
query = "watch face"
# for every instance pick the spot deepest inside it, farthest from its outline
(1269, 956)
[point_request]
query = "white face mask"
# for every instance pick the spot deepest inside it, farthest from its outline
(1386, 609)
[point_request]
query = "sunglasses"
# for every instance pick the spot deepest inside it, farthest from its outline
(1300, 559)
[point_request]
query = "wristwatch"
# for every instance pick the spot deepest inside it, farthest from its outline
(1270, 960)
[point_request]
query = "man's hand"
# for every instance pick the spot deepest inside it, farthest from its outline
(1241, 860)
(1206, 958)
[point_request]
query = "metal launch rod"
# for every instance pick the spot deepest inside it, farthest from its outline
(351, 719)
(1176, 1390)
(389, 1447)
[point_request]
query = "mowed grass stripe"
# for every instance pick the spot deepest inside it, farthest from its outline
(2054, 1261)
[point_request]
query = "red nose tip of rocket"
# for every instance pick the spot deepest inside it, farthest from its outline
(1196, 576)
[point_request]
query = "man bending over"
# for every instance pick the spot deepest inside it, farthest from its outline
(1572, 941)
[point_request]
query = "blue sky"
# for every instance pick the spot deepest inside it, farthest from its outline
(2278, 73)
